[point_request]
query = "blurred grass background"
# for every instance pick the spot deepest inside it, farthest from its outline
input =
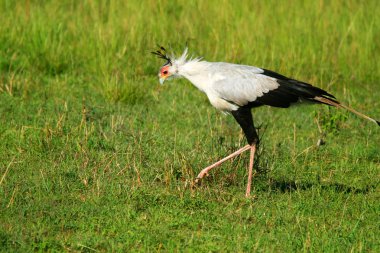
(96, 156)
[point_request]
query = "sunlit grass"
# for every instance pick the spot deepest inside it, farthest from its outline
(96, 155)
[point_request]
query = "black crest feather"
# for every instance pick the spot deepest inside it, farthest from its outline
(161, 53)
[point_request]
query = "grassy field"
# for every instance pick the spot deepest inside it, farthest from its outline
(96, 156)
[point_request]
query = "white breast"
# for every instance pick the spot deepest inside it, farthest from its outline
(221, 104)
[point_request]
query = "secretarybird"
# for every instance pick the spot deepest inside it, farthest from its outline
(235, 89)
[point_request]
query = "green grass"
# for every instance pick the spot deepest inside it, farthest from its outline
(97, 156)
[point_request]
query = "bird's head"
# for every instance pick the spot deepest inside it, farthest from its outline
(166, 72)
(172, 67)
(168, 69)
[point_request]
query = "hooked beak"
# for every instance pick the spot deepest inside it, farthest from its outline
(162, 80)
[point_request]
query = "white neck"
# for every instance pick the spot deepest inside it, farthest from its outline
(196, 72)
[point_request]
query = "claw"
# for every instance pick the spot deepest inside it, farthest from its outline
(196, 182)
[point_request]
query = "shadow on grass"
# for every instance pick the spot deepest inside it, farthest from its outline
(290, 186)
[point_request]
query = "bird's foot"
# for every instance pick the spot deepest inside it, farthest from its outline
(205, 171)
(195, 183)
(198, 179)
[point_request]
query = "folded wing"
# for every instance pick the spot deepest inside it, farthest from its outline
(245, 85)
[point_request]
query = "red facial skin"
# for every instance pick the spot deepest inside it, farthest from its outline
(164, 72)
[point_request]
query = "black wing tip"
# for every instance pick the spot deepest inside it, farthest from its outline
(305, 88)
(378, 123)
(330, 95)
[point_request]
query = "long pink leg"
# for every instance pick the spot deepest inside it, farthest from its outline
(207, 169)
(251, 158)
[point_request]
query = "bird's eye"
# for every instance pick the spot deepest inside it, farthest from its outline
(165, 72)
